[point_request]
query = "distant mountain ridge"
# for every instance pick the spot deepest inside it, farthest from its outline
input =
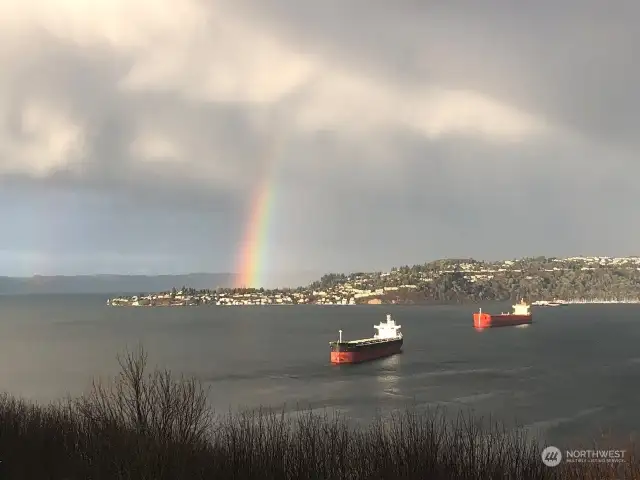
(110, 284)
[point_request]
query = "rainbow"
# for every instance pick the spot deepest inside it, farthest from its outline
(254, 245)
(253, 252)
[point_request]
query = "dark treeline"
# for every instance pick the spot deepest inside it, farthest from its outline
(156, 426)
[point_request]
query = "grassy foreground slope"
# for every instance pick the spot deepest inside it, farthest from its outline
(152, 425)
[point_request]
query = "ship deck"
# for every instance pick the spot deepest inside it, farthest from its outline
(365, 341)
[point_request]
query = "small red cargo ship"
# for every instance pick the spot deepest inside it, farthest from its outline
(521, 315)
(388, 341)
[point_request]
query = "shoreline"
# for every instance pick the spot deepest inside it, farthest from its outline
(242, 301)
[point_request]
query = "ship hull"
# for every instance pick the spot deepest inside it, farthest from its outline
(356, 353)
(487, 320)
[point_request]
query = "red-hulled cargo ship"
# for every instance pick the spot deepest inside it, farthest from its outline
(388, 341)
(521, 315)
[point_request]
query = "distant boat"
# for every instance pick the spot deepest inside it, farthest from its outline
(552, 303)
(521, 315)
(540, 303)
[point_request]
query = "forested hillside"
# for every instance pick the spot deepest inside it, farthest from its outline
(455, 280)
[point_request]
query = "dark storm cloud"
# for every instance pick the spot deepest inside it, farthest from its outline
(572, 61)
(531, 127)
(458, 205)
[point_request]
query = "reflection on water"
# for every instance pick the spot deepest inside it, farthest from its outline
(524, 325)
(388, 377)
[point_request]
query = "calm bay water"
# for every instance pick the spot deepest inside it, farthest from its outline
(572, 374)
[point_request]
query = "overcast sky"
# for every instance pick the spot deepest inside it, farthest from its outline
(134, 134)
